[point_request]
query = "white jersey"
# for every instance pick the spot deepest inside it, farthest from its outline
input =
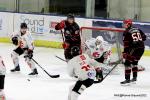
(96, 51)
(83, 67)
(24, 41)
(2, 67)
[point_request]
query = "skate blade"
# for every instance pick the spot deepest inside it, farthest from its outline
(133, 82)
(36, 75)
(15, 72)
(127, 84)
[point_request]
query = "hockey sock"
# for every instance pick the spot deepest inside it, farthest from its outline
(134, 71)
(127, 73)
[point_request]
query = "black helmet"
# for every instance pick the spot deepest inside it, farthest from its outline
(23, 25)
(75, 51)
(70, 16)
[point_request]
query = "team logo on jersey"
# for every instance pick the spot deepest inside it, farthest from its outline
(91, 74)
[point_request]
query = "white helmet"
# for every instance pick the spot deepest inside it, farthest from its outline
(99, 40)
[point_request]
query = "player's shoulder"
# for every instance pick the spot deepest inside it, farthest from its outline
(105, 43)
(15, 33)
(134, 29)
(75, 25)
(28, 32)
(92, 40)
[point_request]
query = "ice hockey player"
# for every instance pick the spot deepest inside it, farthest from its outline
(2, 78)
(98, 49)
(133, 39)
(86, 69)
(24, 45)
(71, 35)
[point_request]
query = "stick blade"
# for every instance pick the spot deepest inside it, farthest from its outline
(55, 76)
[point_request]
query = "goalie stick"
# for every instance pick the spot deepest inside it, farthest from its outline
(52, 76)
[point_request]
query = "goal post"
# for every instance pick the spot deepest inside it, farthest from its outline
(112, 35)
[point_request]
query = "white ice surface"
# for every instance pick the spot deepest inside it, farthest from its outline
(17, 86)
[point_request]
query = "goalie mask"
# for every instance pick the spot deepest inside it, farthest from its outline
(99, 40)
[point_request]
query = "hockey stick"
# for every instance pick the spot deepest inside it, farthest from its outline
(110, 63)
(109, 71)
(60, 58)
(52, 76)
(63, 36)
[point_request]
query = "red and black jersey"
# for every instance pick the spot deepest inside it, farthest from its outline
(133, 38)
(71, 31)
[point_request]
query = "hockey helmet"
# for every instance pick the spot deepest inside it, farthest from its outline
(99, 40)
(70, 16)
(127, 22)
(75, 51)
(23, 25)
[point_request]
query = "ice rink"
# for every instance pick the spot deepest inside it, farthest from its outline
(19, 86)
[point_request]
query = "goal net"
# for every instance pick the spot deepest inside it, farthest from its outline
(111, 35)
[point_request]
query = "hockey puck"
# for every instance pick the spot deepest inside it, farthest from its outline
(28, 79)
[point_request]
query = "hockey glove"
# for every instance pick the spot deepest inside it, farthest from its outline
(15, 40)
(99, 75)
(30, 54)
(65, 45)
(60, 25)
